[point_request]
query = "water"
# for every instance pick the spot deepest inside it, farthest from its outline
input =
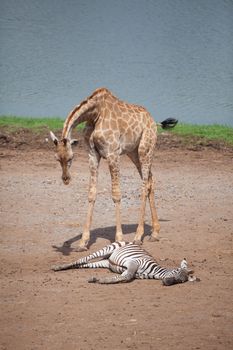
(175, 57)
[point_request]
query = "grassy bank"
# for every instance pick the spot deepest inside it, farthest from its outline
(205, 132)
(35, 124)
(213, 132)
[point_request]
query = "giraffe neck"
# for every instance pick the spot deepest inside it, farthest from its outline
(87, 110)
(84, 112)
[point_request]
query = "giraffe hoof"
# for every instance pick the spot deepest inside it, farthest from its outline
(81, 249)
(137, 241)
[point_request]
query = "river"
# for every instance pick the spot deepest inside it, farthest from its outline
(174, 57)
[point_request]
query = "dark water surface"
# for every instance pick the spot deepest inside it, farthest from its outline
(173, 56)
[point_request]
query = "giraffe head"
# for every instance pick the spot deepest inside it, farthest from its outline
(64, 155)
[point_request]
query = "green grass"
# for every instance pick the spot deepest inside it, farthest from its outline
(204, 132)
(35, 124)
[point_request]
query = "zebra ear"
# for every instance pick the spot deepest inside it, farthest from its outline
(54, 138)
(74, 142)
(64, 141)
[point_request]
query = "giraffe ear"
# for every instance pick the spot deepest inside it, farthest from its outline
(54, 138)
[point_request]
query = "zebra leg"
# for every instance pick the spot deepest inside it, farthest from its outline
(62, 267)
(75, 265)
(102, 253)
(112, 279)
(127, 276)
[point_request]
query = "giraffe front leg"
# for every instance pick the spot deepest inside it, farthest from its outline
(94, 160)
(86, 229)
(113, 162)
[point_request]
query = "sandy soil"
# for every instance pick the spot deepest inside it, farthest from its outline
(41, 309)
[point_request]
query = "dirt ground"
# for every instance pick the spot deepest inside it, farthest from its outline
(41, 309)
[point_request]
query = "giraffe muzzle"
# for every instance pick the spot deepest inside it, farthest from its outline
(66, 179)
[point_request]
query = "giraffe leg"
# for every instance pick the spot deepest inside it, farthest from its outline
(155, 223)
(113, 162)
(140, 228)
(94, 159)
(145, 155)
(154, 217)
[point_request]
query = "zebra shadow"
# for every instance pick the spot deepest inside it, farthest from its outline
(103, 232)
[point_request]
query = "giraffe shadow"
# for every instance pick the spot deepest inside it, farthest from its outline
(103, 232)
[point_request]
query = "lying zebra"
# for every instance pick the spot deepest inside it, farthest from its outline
(131, 261)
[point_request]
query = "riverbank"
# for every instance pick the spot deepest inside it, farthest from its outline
(19, 131)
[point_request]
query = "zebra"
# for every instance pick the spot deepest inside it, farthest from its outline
(131, 262)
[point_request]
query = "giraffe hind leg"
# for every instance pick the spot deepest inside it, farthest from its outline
(145, 157)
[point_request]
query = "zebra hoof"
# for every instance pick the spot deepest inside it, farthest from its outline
(93, 280)
(55, 267)
(153, 239)
(194, 279)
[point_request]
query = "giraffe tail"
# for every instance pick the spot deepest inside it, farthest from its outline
(168, 123)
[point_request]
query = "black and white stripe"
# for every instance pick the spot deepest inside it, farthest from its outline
(130, 261)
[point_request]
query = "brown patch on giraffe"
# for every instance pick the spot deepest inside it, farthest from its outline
(114, 124)
(108, 134)
(122, 124)
(116, 109)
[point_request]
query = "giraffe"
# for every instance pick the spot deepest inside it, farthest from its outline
(113, 128)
